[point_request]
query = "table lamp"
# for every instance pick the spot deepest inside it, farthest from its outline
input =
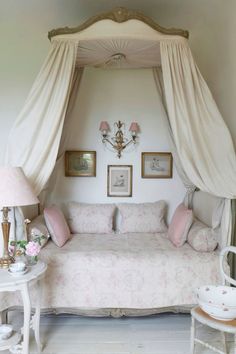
(15, 190)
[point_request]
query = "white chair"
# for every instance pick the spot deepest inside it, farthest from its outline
(223, 326)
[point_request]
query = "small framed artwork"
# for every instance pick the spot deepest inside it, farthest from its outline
(119, 180)
(80, 163)
(157, 165)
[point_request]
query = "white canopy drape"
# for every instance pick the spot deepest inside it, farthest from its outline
(42, 117)
(158, 77)
(64, 137)
(195, 122)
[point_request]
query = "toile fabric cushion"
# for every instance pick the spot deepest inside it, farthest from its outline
(143, 217)
(57, 225)
(180, 225)
(38, 228)
(201, 237)
(90, 218)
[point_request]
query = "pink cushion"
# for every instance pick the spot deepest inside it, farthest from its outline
(57, 225)
(180, 225)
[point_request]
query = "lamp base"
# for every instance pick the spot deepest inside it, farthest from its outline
(6, 261)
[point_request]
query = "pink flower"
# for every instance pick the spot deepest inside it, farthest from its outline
(11, 249)
(32, 249)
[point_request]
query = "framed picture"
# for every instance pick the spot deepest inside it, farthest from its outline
(157, 165)
(80, 163)
(119, 180)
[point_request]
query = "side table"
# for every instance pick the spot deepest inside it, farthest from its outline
(222, 326)
(21, 283)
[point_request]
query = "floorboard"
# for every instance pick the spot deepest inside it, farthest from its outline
(160, 334)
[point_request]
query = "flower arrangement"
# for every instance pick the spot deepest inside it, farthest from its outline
(31, 249)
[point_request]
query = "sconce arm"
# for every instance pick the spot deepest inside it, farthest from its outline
(106, 140)
(133, 140)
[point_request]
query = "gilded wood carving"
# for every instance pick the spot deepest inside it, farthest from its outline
(119, 14)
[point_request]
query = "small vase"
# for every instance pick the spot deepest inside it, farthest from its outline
(20, 257)
(32, 260)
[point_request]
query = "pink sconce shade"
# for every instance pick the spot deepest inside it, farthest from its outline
(104, 126)
(134, 128)
(15, 189)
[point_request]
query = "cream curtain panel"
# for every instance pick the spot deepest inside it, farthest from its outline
(202, 140)
(222, 218)
(158, 78)
(35, 137)
(65, 137)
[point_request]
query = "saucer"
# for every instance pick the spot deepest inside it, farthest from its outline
(18, 274)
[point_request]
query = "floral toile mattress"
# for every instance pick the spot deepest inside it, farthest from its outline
(134, 271)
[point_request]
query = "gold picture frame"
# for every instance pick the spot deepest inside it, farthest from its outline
(80, 163)
(157, 165)
(119, 180)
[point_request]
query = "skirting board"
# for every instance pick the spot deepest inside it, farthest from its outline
(111, 312)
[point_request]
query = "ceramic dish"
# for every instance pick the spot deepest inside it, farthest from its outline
(218, 301)
(5, 332)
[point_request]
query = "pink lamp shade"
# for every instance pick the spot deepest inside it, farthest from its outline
(104, 126)
(134, 128)
(15, 189)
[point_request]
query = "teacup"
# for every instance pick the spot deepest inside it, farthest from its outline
(17, 267)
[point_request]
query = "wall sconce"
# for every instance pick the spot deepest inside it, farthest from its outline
(119, 142)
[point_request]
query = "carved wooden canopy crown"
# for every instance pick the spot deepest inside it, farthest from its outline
(119, 14)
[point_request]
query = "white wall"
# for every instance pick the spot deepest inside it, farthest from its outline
(211, 24)
(126, 95)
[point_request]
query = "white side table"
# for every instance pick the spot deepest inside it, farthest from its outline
(21, 283)
(222, 326)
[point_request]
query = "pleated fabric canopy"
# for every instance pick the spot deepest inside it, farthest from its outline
(128, 39)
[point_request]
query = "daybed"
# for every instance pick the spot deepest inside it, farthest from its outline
(125, 274)
(128, 271)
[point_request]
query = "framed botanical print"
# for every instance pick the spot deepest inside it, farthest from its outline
(80, 163)
(119, 180)
(157, 165)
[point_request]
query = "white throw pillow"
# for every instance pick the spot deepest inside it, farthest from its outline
(90, 218)
(38, 228)
(143, 217)
(201, 237)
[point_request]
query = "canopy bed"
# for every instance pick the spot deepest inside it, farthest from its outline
(128, 39)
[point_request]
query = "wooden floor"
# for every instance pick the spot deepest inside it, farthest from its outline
(161, 334)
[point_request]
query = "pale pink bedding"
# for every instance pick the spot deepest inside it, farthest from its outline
(124, 271)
